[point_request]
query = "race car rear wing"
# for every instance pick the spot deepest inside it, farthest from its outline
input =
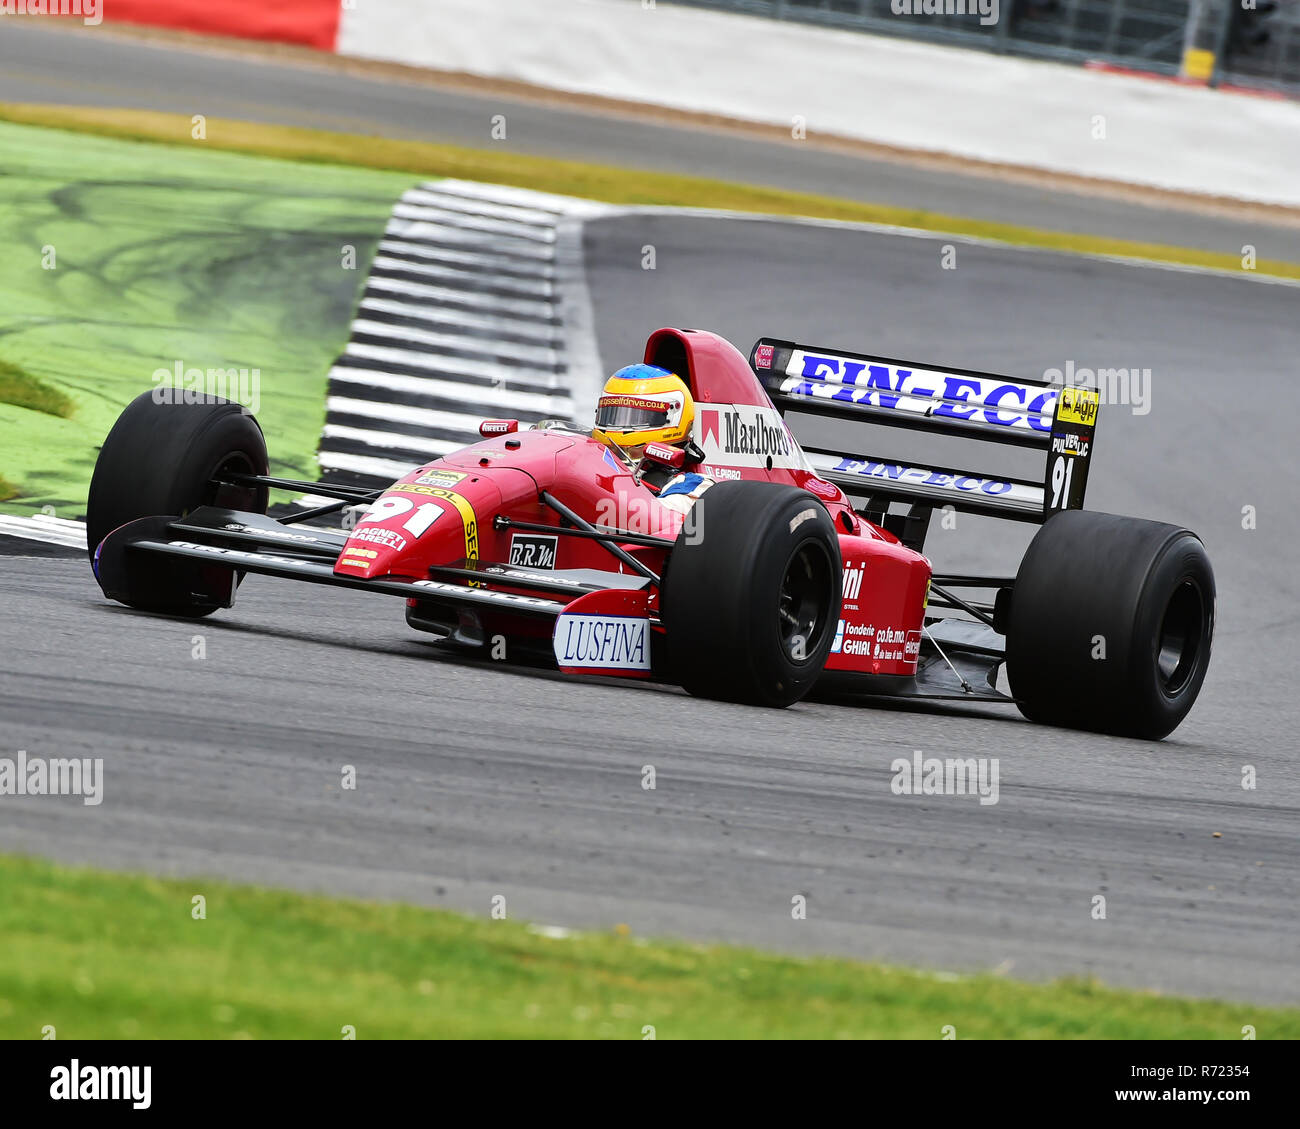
(1058, 420)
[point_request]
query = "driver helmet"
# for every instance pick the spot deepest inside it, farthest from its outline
(644, 404)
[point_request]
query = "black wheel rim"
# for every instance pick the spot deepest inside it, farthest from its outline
(805, 601)
(248, 499)
(1181, 638)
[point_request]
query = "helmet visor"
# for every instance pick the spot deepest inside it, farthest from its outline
(631, 413)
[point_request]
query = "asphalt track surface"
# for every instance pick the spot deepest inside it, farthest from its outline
(478, 779)
(103, 66)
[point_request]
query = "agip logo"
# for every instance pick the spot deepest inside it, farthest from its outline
(1078, 405)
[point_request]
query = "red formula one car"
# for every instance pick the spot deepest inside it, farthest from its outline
(791, 573)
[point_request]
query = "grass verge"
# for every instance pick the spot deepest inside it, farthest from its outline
(99, 955)
(122, 258)
(20, 389)
(595, 182)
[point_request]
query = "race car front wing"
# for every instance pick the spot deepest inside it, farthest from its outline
(252, 543)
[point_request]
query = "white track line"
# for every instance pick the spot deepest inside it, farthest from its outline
(367, 465)
(48, 530)
(460, 221)
(401, 413)
(537, 287)
(548, 403)
(522, 197)
(478, 206)
(450, 317)
(395, 241)
(439, 342)
(439, 233)
(522, 308)
(361, 355)
(382, 441)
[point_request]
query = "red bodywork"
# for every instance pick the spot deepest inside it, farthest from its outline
(442, 514)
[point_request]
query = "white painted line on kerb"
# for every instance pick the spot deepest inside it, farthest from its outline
(440, 342)
(478, 206)
(523, 308)
(404, 238)
(45, 529)
(449, 317)
(431, 418)
(361, 355)
(538, 287)
(371, 467)
(456, 236)
(545, 402)
(460, 221)
(388, 440)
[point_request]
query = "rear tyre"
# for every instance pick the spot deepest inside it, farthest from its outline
(751, 594)
(160, 459)
(1110, 625)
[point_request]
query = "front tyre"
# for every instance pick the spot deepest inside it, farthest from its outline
(163, 459)
(752, 593)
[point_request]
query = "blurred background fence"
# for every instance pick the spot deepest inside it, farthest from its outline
(1253, 42)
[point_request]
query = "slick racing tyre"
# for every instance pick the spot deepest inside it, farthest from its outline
(161, 459)
(1110, 624)
(752, 593)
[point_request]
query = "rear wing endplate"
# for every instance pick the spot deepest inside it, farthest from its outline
(1059, 420)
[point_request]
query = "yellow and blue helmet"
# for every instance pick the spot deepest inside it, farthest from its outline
(644, 404)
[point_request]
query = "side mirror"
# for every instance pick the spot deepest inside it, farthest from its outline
(491, 427)
(665, 455)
